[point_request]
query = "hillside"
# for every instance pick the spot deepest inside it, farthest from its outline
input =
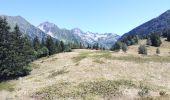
(98, 75)
(158, 24)
(25, 27)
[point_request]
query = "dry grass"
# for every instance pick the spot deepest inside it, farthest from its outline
(54, 73)
(105, 89)
(97, 75)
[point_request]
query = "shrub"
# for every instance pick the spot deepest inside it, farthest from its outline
(142, 49)
(162, 93)
(157, 51)
(67, 49)
(43, 52)
(117, 46)
(143, 92)
(124, 47)
(155, 39)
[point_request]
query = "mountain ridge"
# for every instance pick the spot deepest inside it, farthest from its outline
(157, 24)
(85, 38)
(25, 27)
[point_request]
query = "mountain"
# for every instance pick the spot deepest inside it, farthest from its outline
(55, 32)
(25, 27)
(77, 35)
(159, 24)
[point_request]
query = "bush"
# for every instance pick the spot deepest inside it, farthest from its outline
(67, 49)
(157, 51)
(155, 39)
(162, 93)
(142, 49)
(43, 52)
(117, 46)
(124, 47)
(143, 92)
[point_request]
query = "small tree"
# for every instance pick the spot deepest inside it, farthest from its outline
(142, 49)
(50, 45)
(62, 46)
(155, 39)
(157, 51)
(168, 35)
(124, 47)
(36, 44)
(117, 46)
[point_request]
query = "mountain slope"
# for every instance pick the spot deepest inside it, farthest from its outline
(76, 35)
(61, 34)
(159, 24)
(25, 27)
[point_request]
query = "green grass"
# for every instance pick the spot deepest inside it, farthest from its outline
(80, 57)
(99, 61)
(143, 59)
(106, 55)
(58, 72)
(7, 86)
(136, 59)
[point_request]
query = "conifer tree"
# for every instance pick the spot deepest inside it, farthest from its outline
(155, 39)
(42, 42)
(168, 35)
(58, 46)
(15, 52)
(50, 45)
(36, 44)
(62, 46)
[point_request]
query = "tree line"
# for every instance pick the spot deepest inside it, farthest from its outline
(17, 51)
(153, 39)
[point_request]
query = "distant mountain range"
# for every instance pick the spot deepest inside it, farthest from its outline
(75, 35)
(25, 27)
(159, 24)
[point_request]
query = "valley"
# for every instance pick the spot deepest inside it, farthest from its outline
(95, 75)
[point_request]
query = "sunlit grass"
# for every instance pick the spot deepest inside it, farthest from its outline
(7, 86)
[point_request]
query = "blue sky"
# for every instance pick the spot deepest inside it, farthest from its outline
(116, 16)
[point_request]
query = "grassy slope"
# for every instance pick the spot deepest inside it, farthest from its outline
(87, 74)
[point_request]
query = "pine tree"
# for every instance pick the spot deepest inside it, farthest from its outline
(50, 45)
(62, 46)
(155, 39)
(36, 44)
(42, 43)
(15, 53)
(81, 47)
(168, 35)
(58, 46)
